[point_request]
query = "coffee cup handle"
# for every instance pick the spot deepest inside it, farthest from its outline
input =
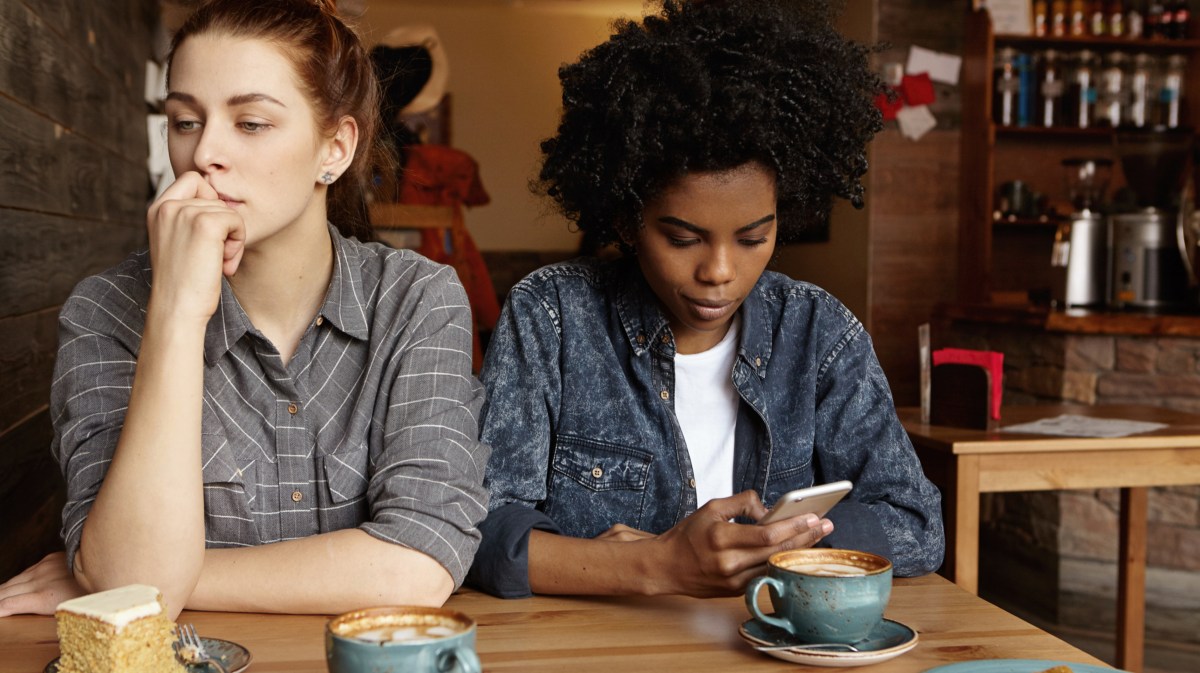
(465, 660)
(752, 601)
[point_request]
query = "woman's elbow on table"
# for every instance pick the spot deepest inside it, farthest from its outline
(415, 578)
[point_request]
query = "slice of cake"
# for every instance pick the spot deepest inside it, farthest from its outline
(122, 630)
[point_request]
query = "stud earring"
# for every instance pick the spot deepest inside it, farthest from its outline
(328, 178)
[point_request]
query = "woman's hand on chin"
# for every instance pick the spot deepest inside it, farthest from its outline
(40, 588)
(195, 238)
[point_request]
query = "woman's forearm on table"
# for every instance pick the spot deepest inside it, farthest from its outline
(147, 523)
(322, 574)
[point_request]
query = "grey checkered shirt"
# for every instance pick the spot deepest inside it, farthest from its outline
(372, 424)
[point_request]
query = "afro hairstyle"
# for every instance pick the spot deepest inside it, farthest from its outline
(709, 85)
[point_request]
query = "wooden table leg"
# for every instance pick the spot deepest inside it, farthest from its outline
(1131, 582)
(966, 523)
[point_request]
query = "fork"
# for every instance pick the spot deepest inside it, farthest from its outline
(191, 650)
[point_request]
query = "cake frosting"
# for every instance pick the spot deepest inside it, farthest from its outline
(117, 606)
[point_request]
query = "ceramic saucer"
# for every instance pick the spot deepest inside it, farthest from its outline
(889, 639)
(232, 656)
(1017, 666)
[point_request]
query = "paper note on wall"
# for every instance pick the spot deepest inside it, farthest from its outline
(915, 122)
(941, 67)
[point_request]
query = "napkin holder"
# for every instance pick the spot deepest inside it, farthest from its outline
(966, 388)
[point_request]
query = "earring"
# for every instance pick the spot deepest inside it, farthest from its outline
(328, 178)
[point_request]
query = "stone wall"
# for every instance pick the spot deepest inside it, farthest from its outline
(1067, 541)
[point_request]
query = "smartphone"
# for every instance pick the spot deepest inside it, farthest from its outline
(812, 500)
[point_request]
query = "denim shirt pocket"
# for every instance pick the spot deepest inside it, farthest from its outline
(787, 479)
(595, 485)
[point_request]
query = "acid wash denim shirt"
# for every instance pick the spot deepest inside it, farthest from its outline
(580, 381)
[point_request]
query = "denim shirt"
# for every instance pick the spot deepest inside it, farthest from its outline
(580, 417)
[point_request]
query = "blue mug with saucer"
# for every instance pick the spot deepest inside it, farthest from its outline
(824, 595)
(401, 640)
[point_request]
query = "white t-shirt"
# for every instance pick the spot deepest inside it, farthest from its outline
(706, 405)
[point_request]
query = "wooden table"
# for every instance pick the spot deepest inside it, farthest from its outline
(581, 635)
(965, 463)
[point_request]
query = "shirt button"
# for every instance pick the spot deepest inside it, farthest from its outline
(320, 320)
(297, 496)
(641, 338)
(666, 395)
(757, 362)
(597, 472)
(692, 483)
(666, 338)
(292, 408)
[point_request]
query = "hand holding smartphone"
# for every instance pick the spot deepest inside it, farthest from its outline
(812, 500)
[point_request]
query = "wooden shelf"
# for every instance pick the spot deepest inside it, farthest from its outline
(1055, 131)
(1027, 222)
(1100, 43)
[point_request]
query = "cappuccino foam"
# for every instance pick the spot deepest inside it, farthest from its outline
(828, 569)
(405, 634)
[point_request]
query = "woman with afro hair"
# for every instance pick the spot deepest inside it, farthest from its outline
(645, 412)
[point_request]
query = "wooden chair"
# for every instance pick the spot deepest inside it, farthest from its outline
(392, 220)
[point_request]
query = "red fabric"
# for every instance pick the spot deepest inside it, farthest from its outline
(917, 89)
(889, 108)
(437, 175)
(989, 360)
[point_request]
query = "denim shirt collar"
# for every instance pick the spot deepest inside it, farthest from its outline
(343, 306)
(647, 328)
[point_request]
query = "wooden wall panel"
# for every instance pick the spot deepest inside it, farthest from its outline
(912, 196)
(61, 81)
(43, 256)
(47, 168)
(73, 192)
(913, 202)
(27, 346)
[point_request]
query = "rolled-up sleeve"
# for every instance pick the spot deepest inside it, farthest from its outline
(522, 376)
(893, 509)
(425, 486)
(99, 330)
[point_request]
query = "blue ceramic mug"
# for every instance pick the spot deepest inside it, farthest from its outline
(824, 595)
(401, 640)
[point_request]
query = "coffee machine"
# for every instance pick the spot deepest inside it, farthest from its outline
(1080, 254)
(1148, 269)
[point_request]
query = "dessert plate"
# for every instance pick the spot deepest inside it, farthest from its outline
(1017, 666)
(888, 640)
(232, 656)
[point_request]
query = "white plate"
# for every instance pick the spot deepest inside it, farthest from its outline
(888, 640)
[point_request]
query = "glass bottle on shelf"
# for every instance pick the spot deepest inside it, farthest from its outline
(1182, 23)
(1166, 25)
(1080, 102)
(1141, 90)
(1170, 93)
(1058, 18)
(1154, 19)
(1040, 18)
(1078, 18)
(1050, 90)
(1135, 19)
(1115, 9)
(1097, 18)
(1110, 90)
(1008, 88)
